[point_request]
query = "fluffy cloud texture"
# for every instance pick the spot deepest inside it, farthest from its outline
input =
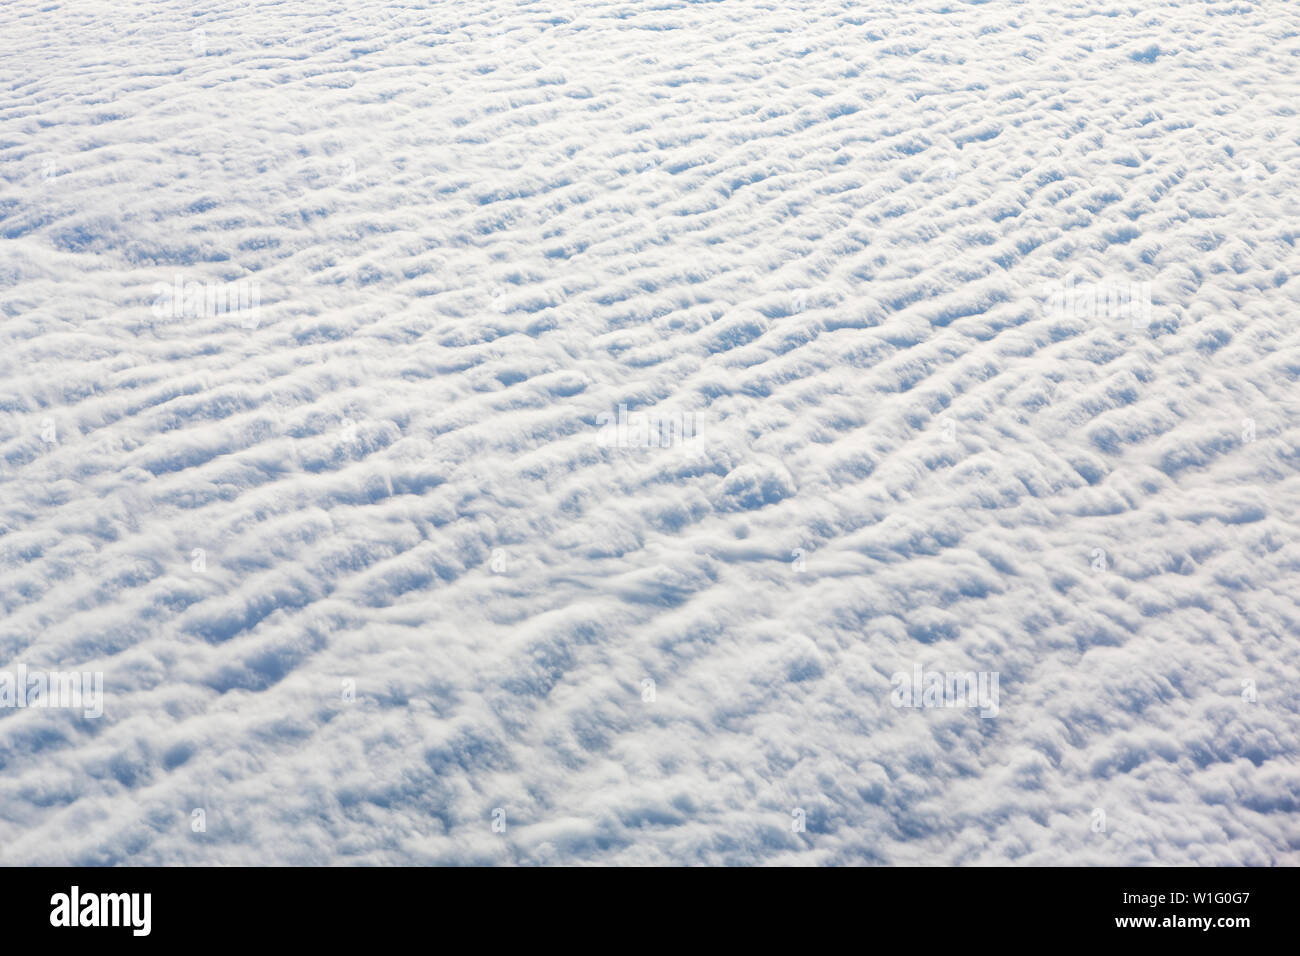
(312, 312)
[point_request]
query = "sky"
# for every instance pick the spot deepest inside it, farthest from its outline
(611, 433)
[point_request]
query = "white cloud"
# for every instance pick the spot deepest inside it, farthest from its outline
(362, 573)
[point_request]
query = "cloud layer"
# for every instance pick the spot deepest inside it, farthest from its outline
(364, 574)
